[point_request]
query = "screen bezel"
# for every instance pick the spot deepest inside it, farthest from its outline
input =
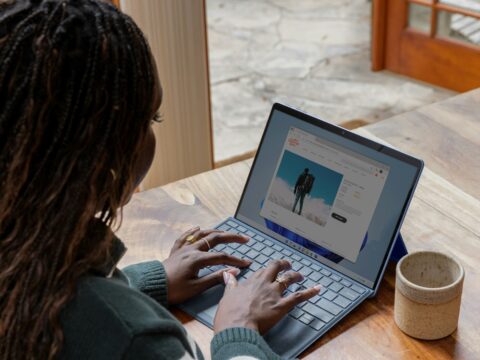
(301, 116)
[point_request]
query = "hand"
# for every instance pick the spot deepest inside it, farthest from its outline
(187, 258)
(257, 303)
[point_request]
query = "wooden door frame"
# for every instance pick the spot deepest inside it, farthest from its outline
(419, 55)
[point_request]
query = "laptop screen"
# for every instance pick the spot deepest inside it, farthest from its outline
(332, 195)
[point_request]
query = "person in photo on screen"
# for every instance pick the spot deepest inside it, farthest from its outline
(303, 186)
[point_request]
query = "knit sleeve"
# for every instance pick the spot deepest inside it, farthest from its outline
(150, 278)
(162, 346)
(243, 343)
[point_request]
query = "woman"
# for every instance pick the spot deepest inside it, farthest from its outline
(78, 93)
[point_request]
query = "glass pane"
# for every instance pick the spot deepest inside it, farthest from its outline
(458, 27)
(419, 17)
(466, 4)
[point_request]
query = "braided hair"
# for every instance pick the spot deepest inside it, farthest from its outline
(76, 95)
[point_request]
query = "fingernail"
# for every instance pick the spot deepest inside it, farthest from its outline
(234, 271)
(231, 279)
(226, 277)
(246, 237)
(318, 287)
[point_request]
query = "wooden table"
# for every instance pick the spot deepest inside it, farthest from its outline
(444, 216)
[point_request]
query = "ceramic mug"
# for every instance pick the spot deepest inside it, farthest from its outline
(428, 291)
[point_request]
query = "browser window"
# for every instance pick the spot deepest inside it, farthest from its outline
(324, 193)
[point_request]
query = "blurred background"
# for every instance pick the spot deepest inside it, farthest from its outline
(223, 63)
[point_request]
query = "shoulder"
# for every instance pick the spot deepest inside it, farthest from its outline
(105, 316)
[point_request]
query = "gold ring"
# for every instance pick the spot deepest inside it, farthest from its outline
(282, 280)
(208, 244)
(191, 239)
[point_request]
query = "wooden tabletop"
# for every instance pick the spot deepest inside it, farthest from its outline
(444, 216)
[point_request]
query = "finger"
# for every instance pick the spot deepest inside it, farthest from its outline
(274, 267)
(213, 239)
(220, 258)
(183, 238)
(230, 280)
(217, 277)
(287, 279)
(300, 296)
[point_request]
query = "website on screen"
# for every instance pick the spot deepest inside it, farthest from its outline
(324, 193)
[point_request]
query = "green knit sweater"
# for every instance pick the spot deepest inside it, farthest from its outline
(125, 316)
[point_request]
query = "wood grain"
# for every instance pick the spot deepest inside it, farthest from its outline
(442, 217)
(176, 31)
(441, 61)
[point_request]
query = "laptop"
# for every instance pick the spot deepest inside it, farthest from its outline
(332, 203)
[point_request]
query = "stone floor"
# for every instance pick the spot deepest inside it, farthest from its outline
(311, 54)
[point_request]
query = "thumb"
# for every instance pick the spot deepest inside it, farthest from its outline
(229, 279)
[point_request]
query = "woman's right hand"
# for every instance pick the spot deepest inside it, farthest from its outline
(257, 302)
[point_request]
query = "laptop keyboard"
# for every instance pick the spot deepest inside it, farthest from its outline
(337, 292)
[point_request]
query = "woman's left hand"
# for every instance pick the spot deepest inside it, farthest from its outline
(190, 254)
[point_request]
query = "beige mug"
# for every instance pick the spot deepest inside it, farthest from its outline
(428, 291)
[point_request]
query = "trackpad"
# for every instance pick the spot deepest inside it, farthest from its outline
(204, 306)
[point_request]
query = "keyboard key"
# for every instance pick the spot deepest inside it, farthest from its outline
(309, 283)
(326, 272)
(241, 229)
(330, 307)
(346, 283)
(295, 287)
(330, 295)
(340, 300)
(305, 271)
(258, 246)
(237, 254)
(262, 259)
(259, 238)
(323, 289)
(220, 247)
(269, 243)
(276, 247)
(287, 252)
(234, 245)
(276, 255)
(252, 254)
(228, 250)
(317, 324)
(296, 266)
(335, 286)
(249, 233)
(317, 312)
(324, 281)
(306, 319)
(268, 251)
(315, 276)
(315, 267)
(335, 277)
(306, 262)
(357, 288)
(295, 257)
(296, 312)
(349, 294)
(232, 224)
(314, 299)
(224, 227)
(255, 266)
(243, 249)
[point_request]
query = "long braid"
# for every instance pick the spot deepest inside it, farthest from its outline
(76, 94)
